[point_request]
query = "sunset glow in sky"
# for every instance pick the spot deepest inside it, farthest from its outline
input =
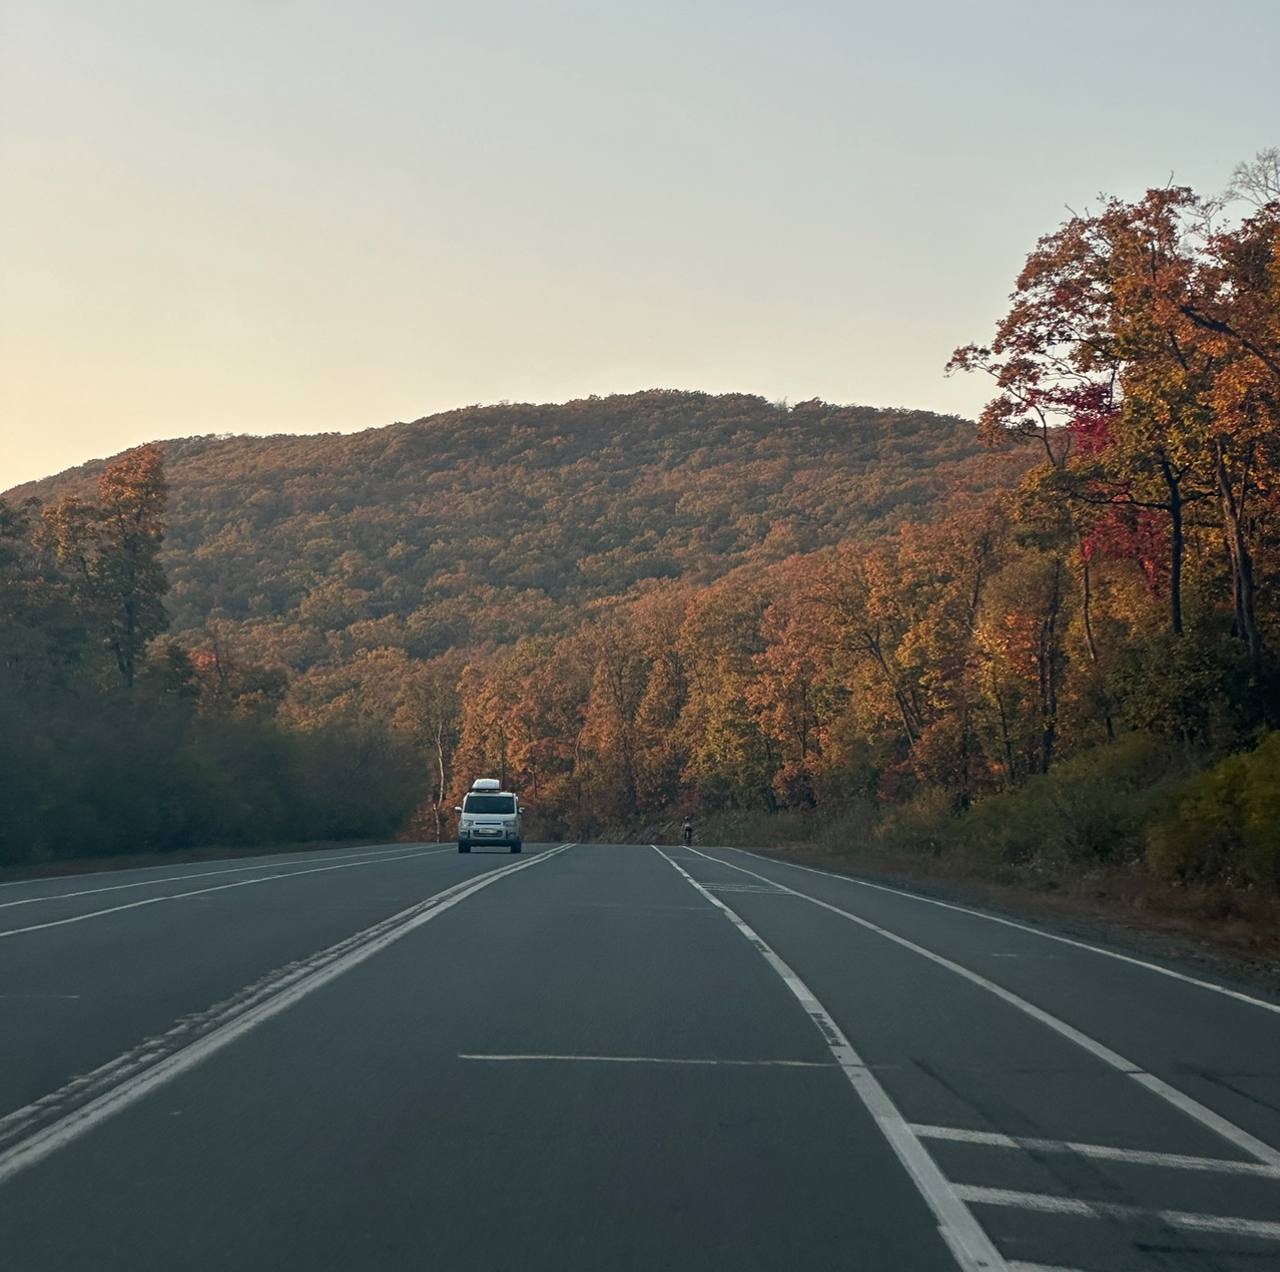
(280, 216)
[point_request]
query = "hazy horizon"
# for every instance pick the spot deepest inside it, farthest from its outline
(426, 415)
(271, 218)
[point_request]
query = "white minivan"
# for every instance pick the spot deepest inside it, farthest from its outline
(489, 815)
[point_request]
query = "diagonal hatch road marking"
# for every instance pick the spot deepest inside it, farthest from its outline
(1100, 1152)
(1043, 1203)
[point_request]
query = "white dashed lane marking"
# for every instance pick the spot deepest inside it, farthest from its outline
(675, 1060)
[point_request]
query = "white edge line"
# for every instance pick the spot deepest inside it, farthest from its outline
(1102, 1152)
(217, 887)
(969, 1244)
(1201, 1113)
(109, 871)
(1045, 1203)
(57, 1135)
(422, 850)
(1022, 927)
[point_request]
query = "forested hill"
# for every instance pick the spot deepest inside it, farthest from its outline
(484, 524)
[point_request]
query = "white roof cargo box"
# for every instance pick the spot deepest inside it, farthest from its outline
(486, 784)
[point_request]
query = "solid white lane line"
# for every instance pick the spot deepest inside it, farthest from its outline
(693, 1060)
(1021, 927)
(112, 872)
(149, 1066)
(207, 874)
(969, 1244)
(1102, 1152)
(1046, 1204)
(1229, 1131)
(200, 892)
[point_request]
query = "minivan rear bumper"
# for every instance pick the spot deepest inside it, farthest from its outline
(477, 836)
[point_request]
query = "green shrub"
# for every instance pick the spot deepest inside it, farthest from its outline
(922, 827)
(1195, 687)
(110, 773)
(758, 829)
(1223, 825)
(846, 829)
(1088, 811)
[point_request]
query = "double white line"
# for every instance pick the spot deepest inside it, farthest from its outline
(30, 1134)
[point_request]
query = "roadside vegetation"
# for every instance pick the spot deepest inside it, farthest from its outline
(116, 741)
(1046, 662)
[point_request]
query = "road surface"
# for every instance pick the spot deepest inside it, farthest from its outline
(608, 1057)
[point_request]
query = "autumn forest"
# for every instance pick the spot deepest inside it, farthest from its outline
(1045, 641)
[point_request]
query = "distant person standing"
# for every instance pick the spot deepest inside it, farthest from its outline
(686, 831)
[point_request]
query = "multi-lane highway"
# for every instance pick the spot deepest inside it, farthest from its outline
(608, 1057)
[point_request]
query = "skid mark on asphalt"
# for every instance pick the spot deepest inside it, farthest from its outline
(33, 997)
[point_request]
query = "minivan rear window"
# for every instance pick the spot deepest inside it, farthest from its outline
(490, 804)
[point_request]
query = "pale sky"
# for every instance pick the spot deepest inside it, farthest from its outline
(308, 215)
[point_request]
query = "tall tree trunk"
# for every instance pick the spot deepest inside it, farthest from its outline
(1176, 544)
(910, 721)
(126, 655)
(440, 788)
(1242, 582)
(1006, 742)
(1047, 661)
(1091, 644)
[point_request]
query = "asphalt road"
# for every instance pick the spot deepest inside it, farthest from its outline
(608, 1057)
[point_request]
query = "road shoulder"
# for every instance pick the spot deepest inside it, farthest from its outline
(1133, 933)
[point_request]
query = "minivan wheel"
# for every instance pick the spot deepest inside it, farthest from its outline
(463, 847)
(518, 845)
